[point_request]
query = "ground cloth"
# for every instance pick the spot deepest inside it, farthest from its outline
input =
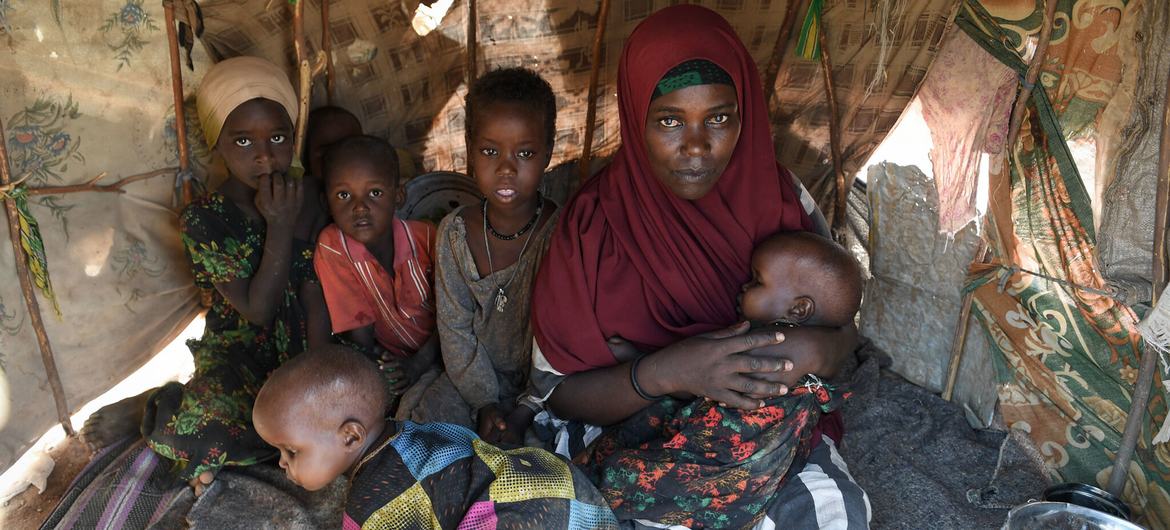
(128, 486)
(920, 462)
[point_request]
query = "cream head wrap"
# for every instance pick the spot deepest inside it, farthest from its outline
(232, 82)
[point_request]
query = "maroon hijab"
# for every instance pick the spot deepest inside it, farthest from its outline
(629, 258)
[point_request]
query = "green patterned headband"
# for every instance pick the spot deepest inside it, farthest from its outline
(691, 73)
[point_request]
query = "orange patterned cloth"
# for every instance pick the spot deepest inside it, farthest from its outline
(1066, 354)
(359, 291)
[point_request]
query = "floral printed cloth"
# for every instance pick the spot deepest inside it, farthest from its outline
(207, 423)
(700, 465)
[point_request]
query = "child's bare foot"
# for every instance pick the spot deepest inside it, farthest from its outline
(202, 482)
(114, 422)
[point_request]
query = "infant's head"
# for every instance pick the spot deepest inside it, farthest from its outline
(321, 409)
(801, 278)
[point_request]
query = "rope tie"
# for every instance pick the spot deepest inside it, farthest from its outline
(1013, 269)
(1024, 82)
(181, 178)
(813, 383)
(9, 191)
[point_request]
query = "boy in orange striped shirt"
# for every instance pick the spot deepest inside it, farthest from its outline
(376, 270)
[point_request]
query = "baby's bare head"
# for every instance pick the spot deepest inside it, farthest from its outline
(802, 278)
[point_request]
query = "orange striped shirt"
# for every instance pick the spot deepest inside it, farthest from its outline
(360, 292)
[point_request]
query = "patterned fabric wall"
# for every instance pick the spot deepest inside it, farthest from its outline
(376, 48)
(410, 89)
(881, 51)
(1068, 353)
(85, 89)
(1084, 67)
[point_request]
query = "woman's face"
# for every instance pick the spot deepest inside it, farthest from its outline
(691, 134)
(256, 140)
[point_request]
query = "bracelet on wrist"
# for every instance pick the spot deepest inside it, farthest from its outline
(634, 381)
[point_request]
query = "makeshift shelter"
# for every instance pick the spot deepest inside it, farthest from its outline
(1062, 263)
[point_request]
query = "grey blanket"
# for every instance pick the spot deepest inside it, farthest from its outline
(922, 465)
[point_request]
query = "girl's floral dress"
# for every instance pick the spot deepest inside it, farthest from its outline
(206, 423)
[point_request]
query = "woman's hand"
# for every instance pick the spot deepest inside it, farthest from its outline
(709, 365)
(279, 199)
(714, 365)
(811, 350)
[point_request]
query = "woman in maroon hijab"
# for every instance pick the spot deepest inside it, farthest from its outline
(649, 256)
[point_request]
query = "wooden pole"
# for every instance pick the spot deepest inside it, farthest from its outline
(305, 84)
(591, 104)
(177, 93)
(1033, 73)
(327, 47)
(472, 42)
(1133, 422)
(1141, 393)
(92, 184)
(959, 341)
(30, 297)
(834, 137)
(781, 47)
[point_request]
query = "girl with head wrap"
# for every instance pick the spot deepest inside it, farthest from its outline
(650, 254)
(244, 248)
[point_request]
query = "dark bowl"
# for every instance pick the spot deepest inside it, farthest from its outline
(1088, 496)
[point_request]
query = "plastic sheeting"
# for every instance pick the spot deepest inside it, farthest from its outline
(881, 51)
(1126, 242)
(913, 299)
